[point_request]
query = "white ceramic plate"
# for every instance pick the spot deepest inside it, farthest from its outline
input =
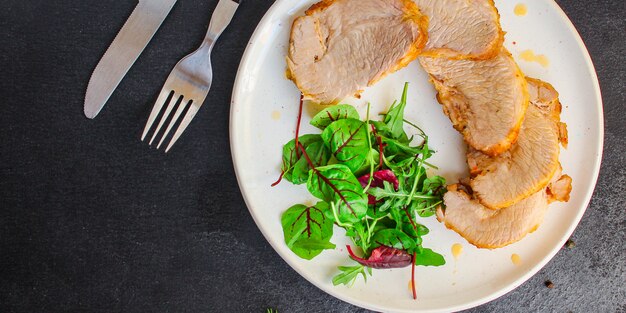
(263, 118)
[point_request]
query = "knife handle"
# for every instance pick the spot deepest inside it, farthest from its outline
(220, 19)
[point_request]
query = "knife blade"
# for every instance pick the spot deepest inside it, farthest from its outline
(129, 43)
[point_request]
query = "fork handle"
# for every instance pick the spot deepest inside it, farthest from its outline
(220, 19)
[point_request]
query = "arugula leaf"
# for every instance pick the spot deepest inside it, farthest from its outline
(389, 192)
(395, 147)
(319, 154)
(428, 257)
(348, 141)
(433, 189)
(349, 274)
(334, 113)
(395, 117)
(307, 231)
(337, 185)
(290, 156)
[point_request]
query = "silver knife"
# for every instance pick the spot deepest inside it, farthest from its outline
(124, 51)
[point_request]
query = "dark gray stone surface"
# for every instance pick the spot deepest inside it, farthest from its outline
(92, 220)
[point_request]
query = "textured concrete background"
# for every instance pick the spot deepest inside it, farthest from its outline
(91, 220)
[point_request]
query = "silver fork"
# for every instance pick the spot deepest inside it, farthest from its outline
(190, 80)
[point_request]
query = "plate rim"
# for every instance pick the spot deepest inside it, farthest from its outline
(235, 154)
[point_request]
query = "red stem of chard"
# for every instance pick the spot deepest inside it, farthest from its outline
(280, 178)
(352, 253)
(413, 277)
(380, 148)
(298, 125)
(325, 179)
(282, 172)
(406, 210)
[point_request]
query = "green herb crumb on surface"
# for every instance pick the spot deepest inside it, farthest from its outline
(370, 178)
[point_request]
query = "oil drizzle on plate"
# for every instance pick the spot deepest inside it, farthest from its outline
(516, 259)
(520, 9)
(276, 115)
(457, 249)
(530, 56)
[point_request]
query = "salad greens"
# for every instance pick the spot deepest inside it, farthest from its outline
(371, 180)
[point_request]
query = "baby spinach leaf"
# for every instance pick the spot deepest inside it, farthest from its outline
(319, 154)
(348, 142)
(337, 185)
(428, 257)
(307, 230)
(334, 113)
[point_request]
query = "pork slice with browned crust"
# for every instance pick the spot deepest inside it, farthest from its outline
(486, 100)
(527, 167)
(462, 29)
(342, 46)
(493, 229)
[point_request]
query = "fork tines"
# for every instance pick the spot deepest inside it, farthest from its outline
(179, 105)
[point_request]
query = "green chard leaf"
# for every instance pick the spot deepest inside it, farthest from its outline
(349, 274)
(348, 141)
(313, 244)
(393, 238)
(307, 230)
(290, 155)
(414, 229)
(381, 128)
(334, 113)
(319, 154)
(428, 257)
(337, 185)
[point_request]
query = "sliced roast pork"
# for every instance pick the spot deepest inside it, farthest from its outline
(485, 100)
(462, 29)
(342, 46)
(530, 163)
(492, 229)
